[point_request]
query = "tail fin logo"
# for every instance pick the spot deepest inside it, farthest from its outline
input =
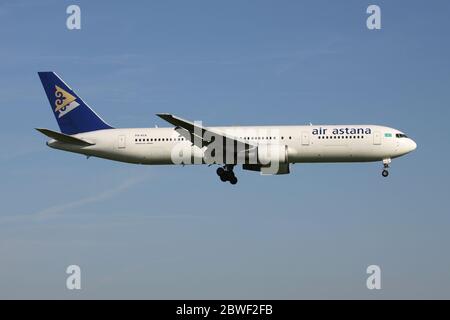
(64, 102)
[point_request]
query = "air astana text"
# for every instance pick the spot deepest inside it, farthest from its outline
(338, 131)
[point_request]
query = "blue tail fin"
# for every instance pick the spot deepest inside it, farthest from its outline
(71, 113)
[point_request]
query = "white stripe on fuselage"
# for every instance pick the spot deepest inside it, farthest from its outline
(305, 143)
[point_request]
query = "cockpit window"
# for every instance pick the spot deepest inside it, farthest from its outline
(401, 135)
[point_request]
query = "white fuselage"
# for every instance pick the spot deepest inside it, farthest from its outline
(312, 143)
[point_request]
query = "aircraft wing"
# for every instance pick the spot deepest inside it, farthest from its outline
(203, 136)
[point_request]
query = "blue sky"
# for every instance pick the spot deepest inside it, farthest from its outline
(177, 232)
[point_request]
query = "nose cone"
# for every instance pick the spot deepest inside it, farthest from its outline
(414, 145)
(411, 145)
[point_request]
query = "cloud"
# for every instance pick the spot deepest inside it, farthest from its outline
(19, 153)
(98, 197)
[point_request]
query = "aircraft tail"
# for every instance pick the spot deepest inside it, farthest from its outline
(71, 112)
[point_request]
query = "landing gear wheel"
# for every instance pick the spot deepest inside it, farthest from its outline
(386, 163)
(220, 172)
(226, 174)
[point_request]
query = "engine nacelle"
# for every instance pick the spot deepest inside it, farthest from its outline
(272, 154)
(271, 159)
(282, 168)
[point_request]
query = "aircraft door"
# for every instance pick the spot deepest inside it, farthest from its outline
(376, 137)
(122, 142)
(305, 138)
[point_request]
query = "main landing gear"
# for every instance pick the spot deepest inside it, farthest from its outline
(226, 174)
(385, 171)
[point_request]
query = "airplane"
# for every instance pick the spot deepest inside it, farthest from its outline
(269, 150)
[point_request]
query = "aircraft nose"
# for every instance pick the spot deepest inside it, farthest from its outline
(413, 145)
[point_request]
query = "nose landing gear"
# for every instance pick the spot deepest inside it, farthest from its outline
(385, 171)
(226, 173)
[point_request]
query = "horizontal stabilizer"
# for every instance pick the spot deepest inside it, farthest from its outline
(64, 137)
